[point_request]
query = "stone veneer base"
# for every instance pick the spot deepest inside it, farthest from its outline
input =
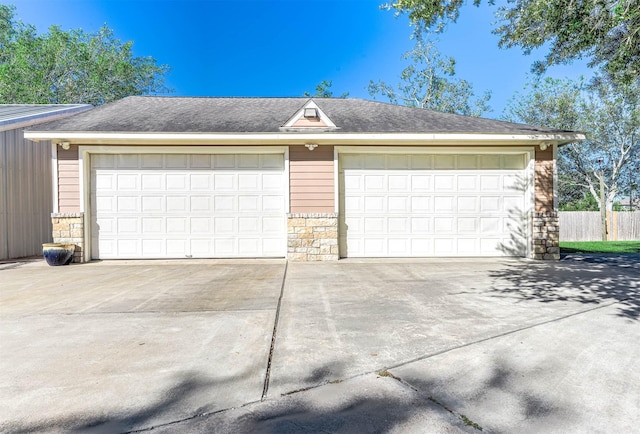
(546, 235)
(312, 237)
(68, 228)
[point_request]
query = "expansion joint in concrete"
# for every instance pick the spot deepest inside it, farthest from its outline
(510, 332)
(265, 388)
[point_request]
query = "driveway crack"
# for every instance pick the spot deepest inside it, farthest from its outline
(499, 335)
(267, 376)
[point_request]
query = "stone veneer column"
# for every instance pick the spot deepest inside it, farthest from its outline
(312, 237)
(546, 235)
(68, 228)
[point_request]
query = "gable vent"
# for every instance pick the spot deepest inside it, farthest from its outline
(311, 113)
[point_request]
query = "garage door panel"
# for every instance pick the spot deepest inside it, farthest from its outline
(443, 224)
(126, 204)
(177, 226)
(178, 205)
(398, 225)
(467, 183)
(490, 182)
(466, 162)
(420, 203)
(421, 225)
(397, 204)
(443, 162)
(399, 183)
(443, 204)
(421, 246)
(490, 162)
(152, 182)
(432, 205)
(271, 226)
(150, 161)
(224, 203)
(152, 247)
(443, 247)
(272, 182)
(128, 225)
(152, 225)
(444, 183)
(468, 204)
(514, 162)
(467, 225)
(467, 246)
(153, 204)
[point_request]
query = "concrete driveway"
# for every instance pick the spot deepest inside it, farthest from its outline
(369, 346)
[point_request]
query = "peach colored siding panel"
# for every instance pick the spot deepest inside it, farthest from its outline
(305, 123)
(544, 180)
(311, 176)
(68, 180)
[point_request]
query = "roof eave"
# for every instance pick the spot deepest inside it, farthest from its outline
(61, 112)
(120, 138)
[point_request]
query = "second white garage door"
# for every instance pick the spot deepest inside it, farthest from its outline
(187, 205)
(412, 205)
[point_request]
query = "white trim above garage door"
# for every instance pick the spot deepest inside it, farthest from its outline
(202, 204)
(432, 202)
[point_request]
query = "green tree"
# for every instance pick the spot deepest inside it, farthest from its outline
(61, 67)
(605, 31)
(429, 82)
(607, 112)
(323, 90)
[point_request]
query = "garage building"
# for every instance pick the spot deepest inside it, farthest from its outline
(302, 178)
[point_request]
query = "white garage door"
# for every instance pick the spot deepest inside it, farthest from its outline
(433, 205)
(180, 205)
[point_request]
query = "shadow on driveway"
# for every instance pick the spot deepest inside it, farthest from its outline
(177, 400)
(589, 279)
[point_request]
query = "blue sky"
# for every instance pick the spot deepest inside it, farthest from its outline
(286, 47)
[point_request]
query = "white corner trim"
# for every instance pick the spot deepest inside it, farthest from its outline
(555, 179)
(530, 198)
(336, 181)
(287, 185)
(55, 185)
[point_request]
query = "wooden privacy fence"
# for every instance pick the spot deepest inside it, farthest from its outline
(586, 226)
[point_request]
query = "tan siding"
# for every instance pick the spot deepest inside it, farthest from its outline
(68, 180)
(311, 179)
(544, 180)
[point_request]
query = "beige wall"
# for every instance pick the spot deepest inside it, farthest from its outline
(544, 180)
(311, 176)
(68, 180)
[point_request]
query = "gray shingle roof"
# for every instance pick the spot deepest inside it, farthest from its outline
(267, 115)
(18, 113)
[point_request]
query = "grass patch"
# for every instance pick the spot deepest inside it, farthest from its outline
(470, 423)
(462, 417)
(388, 374)
(600, 247)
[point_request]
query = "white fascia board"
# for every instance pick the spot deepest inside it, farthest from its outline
(97, 138)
